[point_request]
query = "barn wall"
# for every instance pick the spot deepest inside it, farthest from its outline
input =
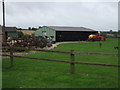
(73, 35)
(12, 34)
(49, 32)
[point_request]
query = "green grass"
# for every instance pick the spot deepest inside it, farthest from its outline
(43, 74)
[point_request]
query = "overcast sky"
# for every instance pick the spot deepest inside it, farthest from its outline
(94, 15)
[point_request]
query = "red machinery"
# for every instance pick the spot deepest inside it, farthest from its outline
(96, 37)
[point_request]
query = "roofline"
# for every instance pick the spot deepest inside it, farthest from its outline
(49, 27)
(66, 26)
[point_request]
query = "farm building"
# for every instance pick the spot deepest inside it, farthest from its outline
(11, 32)
(64, 33)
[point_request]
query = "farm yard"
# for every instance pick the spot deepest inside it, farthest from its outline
(28, 73)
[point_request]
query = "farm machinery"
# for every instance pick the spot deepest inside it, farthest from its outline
(96, 37)
(37, 42)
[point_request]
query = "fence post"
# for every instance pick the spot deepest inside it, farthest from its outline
(72, 64)
(100, 44)
(11, 56)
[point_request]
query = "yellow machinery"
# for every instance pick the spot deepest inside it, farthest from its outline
(91, 36)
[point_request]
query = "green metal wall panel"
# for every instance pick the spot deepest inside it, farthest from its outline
(13, 34)
(49, 32)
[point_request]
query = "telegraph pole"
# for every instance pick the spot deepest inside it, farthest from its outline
(3, 28)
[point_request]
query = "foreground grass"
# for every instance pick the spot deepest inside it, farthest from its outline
(42, 74)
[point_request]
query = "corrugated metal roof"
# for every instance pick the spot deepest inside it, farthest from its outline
(10, 29)
(66, 28)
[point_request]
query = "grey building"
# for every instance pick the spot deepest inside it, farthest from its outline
(11, 32)
(64, 33)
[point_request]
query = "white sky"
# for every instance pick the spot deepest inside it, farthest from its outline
(94, 15)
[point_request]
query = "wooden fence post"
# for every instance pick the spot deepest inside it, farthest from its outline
(11, 56)
(72, 64)
(100, 44)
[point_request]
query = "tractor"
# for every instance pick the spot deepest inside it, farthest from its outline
(96, 37)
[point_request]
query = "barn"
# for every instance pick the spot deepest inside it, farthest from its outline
(64, 33)
(11, 32)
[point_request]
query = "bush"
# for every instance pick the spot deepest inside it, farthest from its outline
(20, 34)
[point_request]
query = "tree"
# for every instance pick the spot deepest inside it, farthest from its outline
(111, 31)
(29, 28)
(20, 34)
(118, 31)
(34, 28)
(19, 28)
(116, 35)
(26, 36)
(39, 27)
(33, 35)
(103, 34)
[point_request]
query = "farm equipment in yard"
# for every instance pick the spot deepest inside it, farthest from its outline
(37, 42)
(96, 37)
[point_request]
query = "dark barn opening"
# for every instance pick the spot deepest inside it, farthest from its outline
(73, 35)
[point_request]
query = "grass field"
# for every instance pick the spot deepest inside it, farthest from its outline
(43, 74)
